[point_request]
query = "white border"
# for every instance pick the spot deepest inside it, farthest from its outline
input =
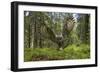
(22, 64)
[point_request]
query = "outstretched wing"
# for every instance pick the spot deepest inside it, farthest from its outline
(67, 28)
(51, 34)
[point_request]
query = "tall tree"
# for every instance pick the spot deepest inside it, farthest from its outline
(83, 28)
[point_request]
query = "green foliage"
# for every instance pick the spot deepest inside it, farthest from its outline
(27, 54)
(77, 52)
(81, 51)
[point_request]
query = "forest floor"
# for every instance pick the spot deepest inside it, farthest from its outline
(81, 51)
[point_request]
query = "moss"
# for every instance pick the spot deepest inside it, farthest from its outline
(73, 51)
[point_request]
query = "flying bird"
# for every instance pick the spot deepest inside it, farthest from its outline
(59, 39)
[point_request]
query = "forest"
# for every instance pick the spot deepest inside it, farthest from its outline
(56, 36)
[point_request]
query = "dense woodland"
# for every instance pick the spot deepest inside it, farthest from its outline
(56, 36)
